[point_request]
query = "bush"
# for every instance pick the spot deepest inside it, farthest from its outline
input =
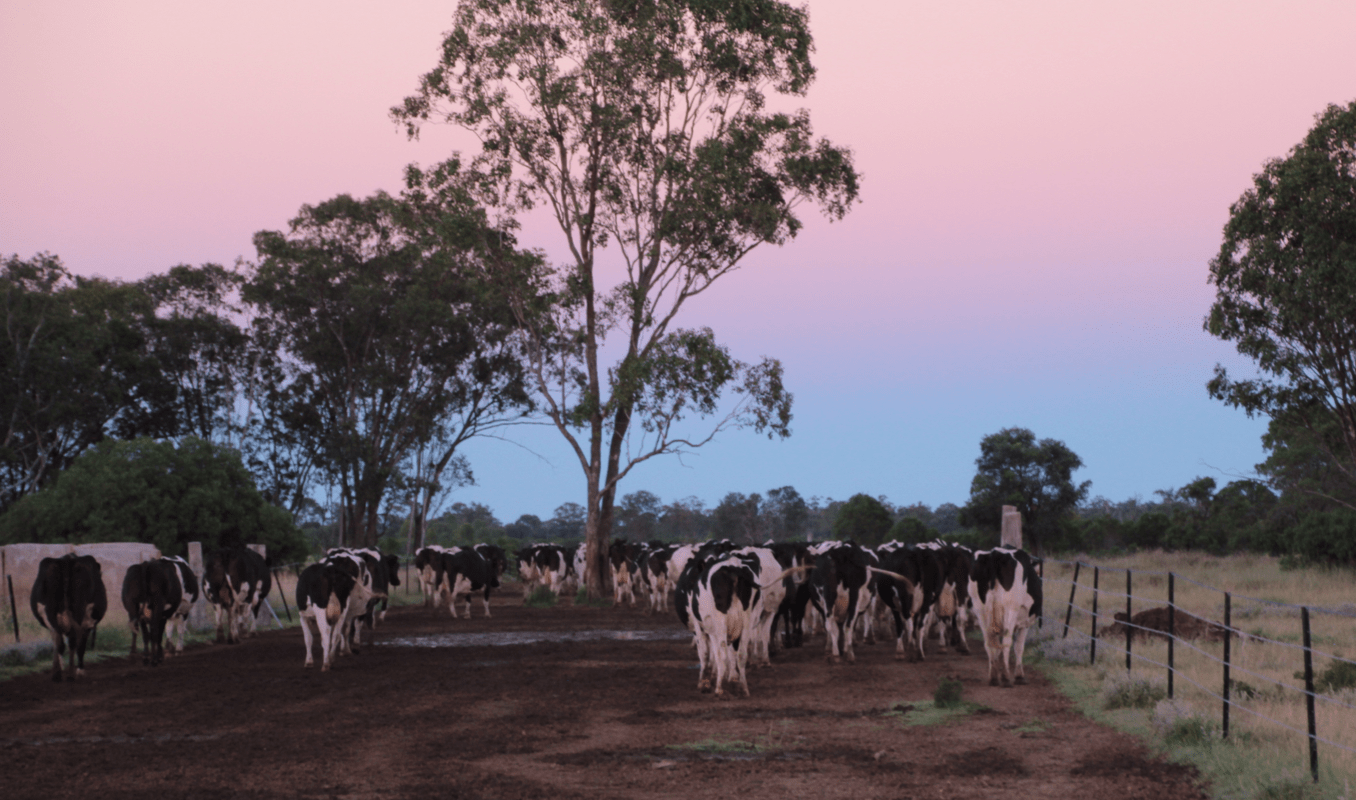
(1179, 724)
(541, 597)
(1325, 537)
(1127, 690)
(948, 693)
(158, 493)
(1339, 675)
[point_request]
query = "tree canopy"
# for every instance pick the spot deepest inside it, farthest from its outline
(142, 490)
(1285, 295)
(1036, 477)
(387, 341)
(863, 519)
(641, 127)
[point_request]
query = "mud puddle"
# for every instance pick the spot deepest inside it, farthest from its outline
(500, 638)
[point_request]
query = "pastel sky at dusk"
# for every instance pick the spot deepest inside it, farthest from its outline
(1044, 184)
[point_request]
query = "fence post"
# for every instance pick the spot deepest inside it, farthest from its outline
(1309, 693)
(283, 593)
(1068, 615)
(1092, 659)
(1129, 631)
(1228, 634)
(13, 609)
(1172, 627)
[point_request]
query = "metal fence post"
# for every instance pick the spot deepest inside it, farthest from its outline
(1068, 615)
(1227, 635)
(1172, 628)
(1309, 693)
(1092, 659)
(1129, 631)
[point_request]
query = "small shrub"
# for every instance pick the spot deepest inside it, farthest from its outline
(1243, 691)
(1179, 724)
(1339, 675)
(1127, 690)
(948, 694)
(541, 597)
(22, 654)
(581, 598)
(1073, 650)
(1290, 786)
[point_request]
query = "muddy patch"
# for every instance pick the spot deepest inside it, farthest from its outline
(509, 638)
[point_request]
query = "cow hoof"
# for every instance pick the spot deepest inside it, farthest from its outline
(1020, 680)
(704, 685)
(901, 657)
(993, 681)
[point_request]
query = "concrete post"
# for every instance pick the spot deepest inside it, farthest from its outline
(197, 618)
(1012, 527)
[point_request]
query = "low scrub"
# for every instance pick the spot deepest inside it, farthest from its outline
(1128, 690)
(542, 597)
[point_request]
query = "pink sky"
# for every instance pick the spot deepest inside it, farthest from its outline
(1044, 184)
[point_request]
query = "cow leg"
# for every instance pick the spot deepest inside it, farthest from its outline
(703, 660)
(1018, 647)
(58, 647)
(487, 603)
(958, 635)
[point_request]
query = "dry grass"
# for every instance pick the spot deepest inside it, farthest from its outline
(1269, 697)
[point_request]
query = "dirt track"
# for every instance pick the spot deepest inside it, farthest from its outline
(552, 720)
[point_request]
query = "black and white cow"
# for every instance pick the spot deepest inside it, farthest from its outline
(177, 624)
(151, 593)
(425, 566)
(722, 608)
(384, 571)
(360, 597)
(324, 595)
(909, 603)
(461, 573)
(655, 571)
(840, 591)
(236, 581)
(68, 598)
(1007, 593)
(953, 607)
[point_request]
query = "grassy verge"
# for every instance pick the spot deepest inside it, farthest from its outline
(1260, 758)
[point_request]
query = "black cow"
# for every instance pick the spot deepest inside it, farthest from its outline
(69, 599)
(324, 592)
(236, 581)
(909, 603)
(791, 611)
(151, 593)
(953, 606)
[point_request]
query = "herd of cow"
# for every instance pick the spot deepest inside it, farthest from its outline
(731, 598)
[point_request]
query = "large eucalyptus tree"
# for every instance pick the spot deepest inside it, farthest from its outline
(643, 128)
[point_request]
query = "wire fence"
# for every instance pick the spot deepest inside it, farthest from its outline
(1182, 628)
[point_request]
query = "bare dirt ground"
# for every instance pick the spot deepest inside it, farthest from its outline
(564, 719)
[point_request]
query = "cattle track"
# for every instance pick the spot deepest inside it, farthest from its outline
(596, 719)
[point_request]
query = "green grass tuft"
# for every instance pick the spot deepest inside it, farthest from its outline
(542, 597)
(948, 693)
